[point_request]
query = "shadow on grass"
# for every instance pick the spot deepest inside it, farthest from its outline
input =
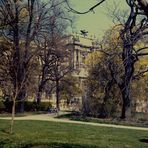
(5, 131)
(4, 142)
(58, 145)
(145, 140)
(7, 143)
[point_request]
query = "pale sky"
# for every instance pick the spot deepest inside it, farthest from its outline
(97, 23)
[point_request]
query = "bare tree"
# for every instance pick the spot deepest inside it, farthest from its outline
(133, 31)
(55, 64)
(52, 45)
(25, 20)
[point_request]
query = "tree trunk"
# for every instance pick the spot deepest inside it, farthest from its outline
(12, 116)
(19, 76)
(57, 95)
(39, 96)
(21, 98)
(21, 80)
(126, 102)
(40, 90)
(128, 61)
(86, 101)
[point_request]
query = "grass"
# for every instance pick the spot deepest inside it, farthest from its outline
(141, 121)
(44, 134)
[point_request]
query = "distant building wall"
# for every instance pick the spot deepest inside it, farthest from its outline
(142, 106)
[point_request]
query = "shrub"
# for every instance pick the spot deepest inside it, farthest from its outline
(29, 106)
(2, 106)
(33, 106)
(44, 106)
(107, 110)
(94, 108)
(8, 105)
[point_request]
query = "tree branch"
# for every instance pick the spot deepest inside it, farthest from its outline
(77, 12)
(142, 49)
(139, 74)
(142, 54)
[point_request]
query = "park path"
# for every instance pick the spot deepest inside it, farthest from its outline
(51, 117)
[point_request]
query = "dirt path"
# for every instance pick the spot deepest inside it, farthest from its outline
(50, 117)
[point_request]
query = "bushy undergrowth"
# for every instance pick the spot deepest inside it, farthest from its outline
(6, 106)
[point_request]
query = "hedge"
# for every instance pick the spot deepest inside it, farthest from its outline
(6, 106)
(2, 106)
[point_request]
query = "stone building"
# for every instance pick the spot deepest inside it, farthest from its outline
(80, 47)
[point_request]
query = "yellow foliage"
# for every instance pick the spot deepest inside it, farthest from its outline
(23, 13)
(93, 58)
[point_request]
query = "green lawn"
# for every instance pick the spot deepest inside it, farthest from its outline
(41, 134)
(140, 120)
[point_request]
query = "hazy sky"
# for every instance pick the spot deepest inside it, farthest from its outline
(96, 23)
